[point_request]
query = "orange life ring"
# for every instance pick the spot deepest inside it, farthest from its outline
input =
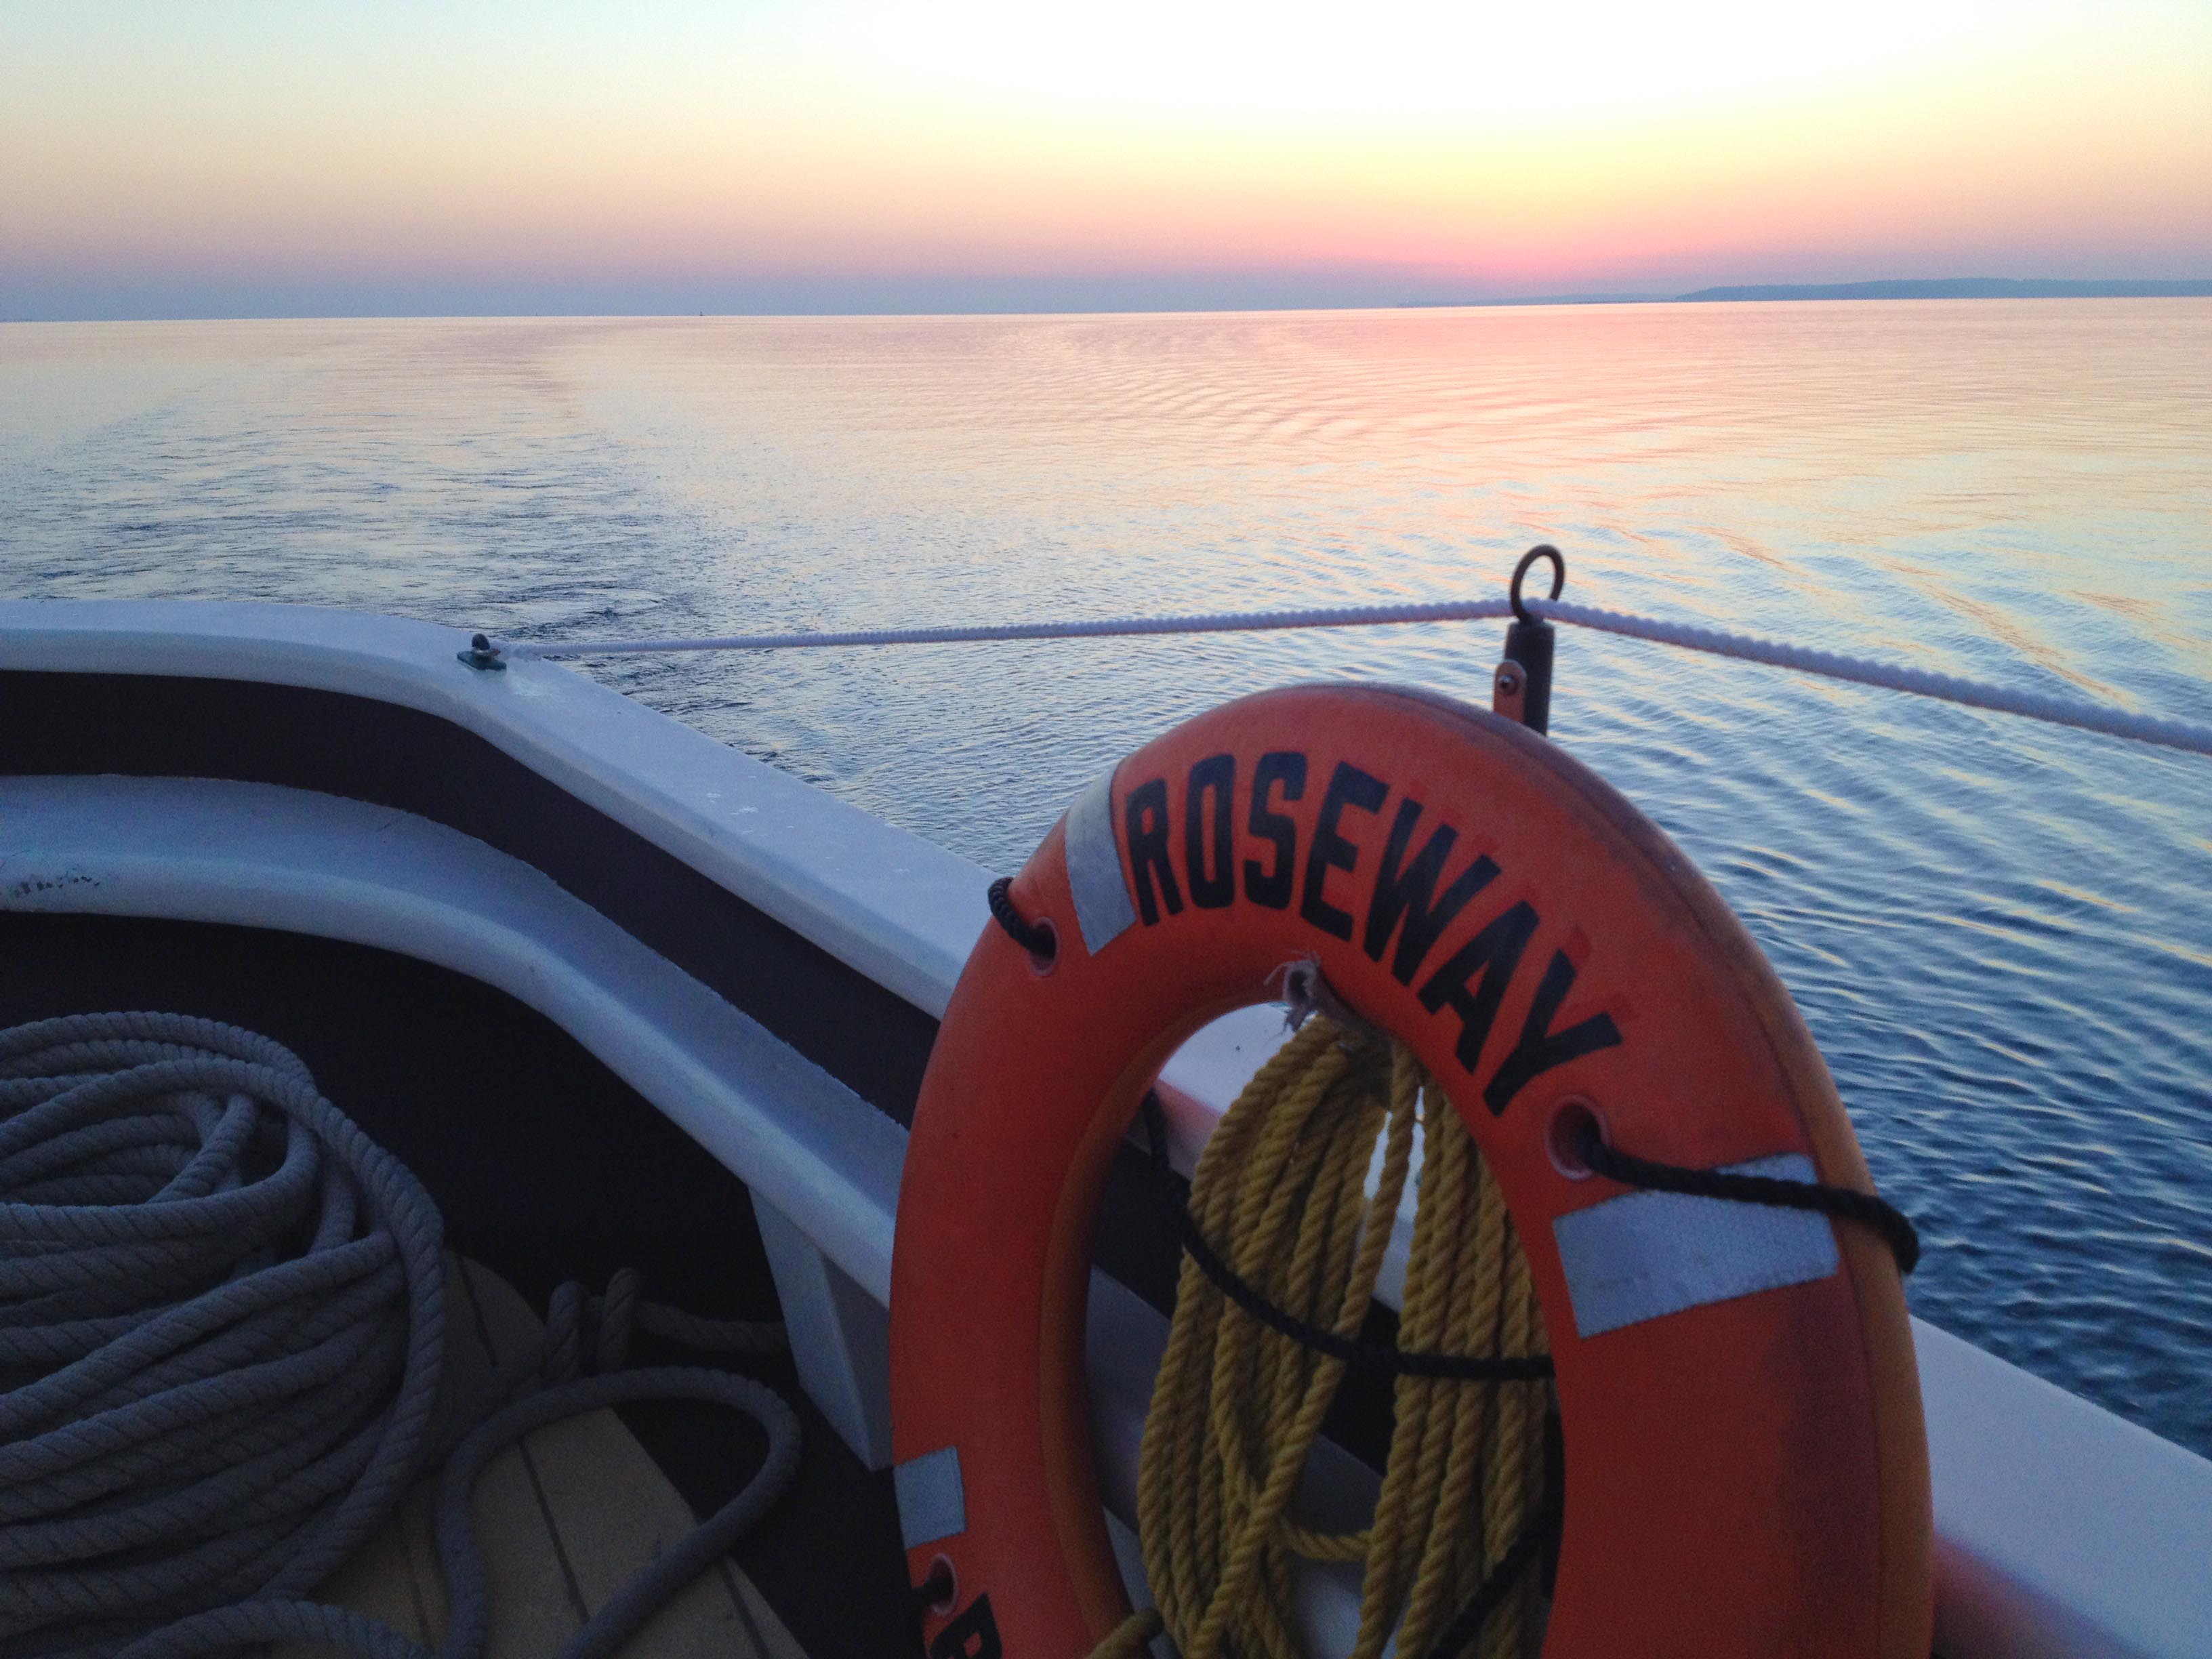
(1745, 1461)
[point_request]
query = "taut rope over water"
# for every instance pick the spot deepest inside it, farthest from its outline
(2076, 712)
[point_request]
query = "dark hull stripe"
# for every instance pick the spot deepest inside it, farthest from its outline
(158, 725)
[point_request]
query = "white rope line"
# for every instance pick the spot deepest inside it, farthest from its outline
(1224, 621)
(2076, 712)
(1890, 676)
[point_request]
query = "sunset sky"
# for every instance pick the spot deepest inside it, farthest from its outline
(231, 159)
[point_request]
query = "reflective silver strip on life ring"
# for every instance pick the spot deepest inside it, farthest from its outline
(931, 1504)
(1647, 1255)
(1103, 907)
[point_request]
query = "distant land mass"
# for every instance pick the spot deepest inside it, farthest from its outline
(1939, 287)
(1958, 287)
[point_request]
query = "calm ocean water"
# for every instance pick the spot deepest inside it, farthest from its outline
(2002, 934)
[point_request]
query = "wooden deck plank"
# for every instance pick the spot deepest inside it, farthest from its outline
(564, 1518)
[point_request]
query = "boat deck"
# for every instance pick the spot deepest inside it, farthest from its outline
(565, 1517)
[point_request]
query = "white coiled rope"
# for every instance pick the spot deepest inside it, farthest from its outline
(223, 1352)
(2076, 712)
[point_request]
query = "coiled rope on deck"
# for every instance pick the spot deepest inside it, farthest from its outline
(222, 1314)
(222, 1353)
(1283, 1192)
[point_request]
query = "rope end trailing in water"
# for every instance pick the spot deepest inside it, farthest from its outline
(223, 1314)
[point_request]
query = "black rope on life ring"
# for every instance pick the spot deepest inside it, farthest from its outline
(1840, 1203)
(1367, 1356)
(1036, 937)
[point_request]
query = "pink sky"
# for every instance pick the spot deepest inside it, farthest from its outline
(242, 159)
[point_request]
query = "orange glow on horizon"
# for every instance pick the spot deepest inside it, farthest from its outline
(1597, 147)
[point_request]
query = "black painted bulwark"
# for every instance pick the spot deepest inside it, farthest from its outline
(163, 726)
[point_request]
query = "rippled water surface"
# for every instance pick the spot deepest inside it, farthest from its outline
(2002, 934)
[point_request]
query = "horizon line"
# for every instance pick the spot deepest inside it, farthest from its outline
(1878, 290)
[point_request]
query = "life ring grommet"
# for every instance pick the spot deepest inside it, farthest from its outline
(1042, 962)
(1573, 1119)
(940, 1586)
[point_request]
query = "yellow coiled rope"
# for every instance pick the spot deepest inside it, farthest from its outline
(1282, 1193)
